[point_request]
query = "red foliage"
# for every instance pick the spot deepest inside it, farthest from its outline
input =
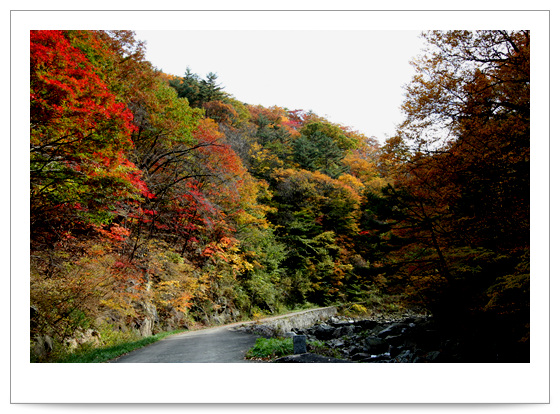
(64, 87)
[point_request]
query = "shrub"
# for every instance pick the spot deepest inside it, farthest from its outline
(271, 348)
(358, 309)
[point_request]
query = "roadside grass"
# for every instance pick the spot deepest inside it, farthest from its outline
(271, 348)
(267, 349)
(90, 354)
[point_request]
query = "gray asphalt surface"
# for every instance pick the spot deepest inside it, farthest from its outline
(220, 344)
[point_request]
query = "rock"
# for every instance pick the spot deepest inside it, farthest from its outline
(343, 331)
(336, 320)
(173, 319)
(410, 338)
(376, 345)
(34, 313)
(393, 339)
(377, 358)
(432, 356)
(146, 327)
(324, 332)
(149, 311)
(394, 329)
(360, 356)
(336, 343)
(341, 323)
(83, 337)
(72, 343)
(310, 358)
(78, 339)
(353, 350)
(43, 345)
(405, 356)
(396, 350)
(366, 324)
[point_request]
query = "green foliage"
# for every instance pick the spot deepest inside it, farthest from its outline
(197, 90)
(319, 152)
(271, 348)
(333, 132)
(115, 345)
(264, 283)
(316, 200)
(321, 348)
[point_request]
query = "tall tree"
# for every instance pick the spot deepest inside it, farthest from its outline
(80, 136)
(198, 91)
(321, 147)
(461, 178)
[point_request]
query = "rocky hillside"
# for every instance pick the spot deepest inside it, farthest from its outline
(408, 338)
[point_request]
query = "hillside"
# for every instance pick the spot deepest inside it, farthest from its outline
(161, 202)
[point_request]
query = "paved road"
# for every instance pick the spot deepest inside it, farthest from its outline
(221, 344)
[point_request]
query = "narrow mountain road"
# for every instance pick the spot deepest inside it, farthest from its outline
(219, 344)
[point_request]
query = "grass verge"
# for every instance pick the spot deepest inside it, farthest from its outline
(104, 354)
(272, 348)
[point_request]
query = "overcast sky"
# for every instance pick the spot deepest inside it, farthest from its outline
(354, 78)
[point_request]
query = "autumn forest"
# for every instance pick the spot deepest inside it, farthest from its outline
(161, 202)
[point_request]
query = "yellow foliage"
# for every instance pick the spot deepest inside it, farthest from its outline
(359, 309)
(263, 160)
(352, 182)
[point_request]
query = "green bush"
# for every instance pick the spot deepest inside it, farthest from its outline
(271, 348)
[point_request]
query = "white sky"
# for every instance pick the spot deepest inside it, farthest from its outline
(353, 78)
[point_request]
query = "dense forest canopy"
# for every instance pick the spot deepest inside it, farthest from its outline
(164, 196)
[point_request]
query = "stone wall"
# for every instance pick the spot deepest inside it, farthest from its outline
(280, 325)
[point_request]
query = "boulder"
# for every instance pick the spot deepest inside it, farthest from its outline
(71, 343)
(43, 345)
(150, 318)
(366, 324)
(393, 339)
(393, 329)
(83, 337)
(361, 356)
(324, 332)
(335, 343)
(405, 356)
(146, 327)
(376, 345)
(343, 331)
(352, 350)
